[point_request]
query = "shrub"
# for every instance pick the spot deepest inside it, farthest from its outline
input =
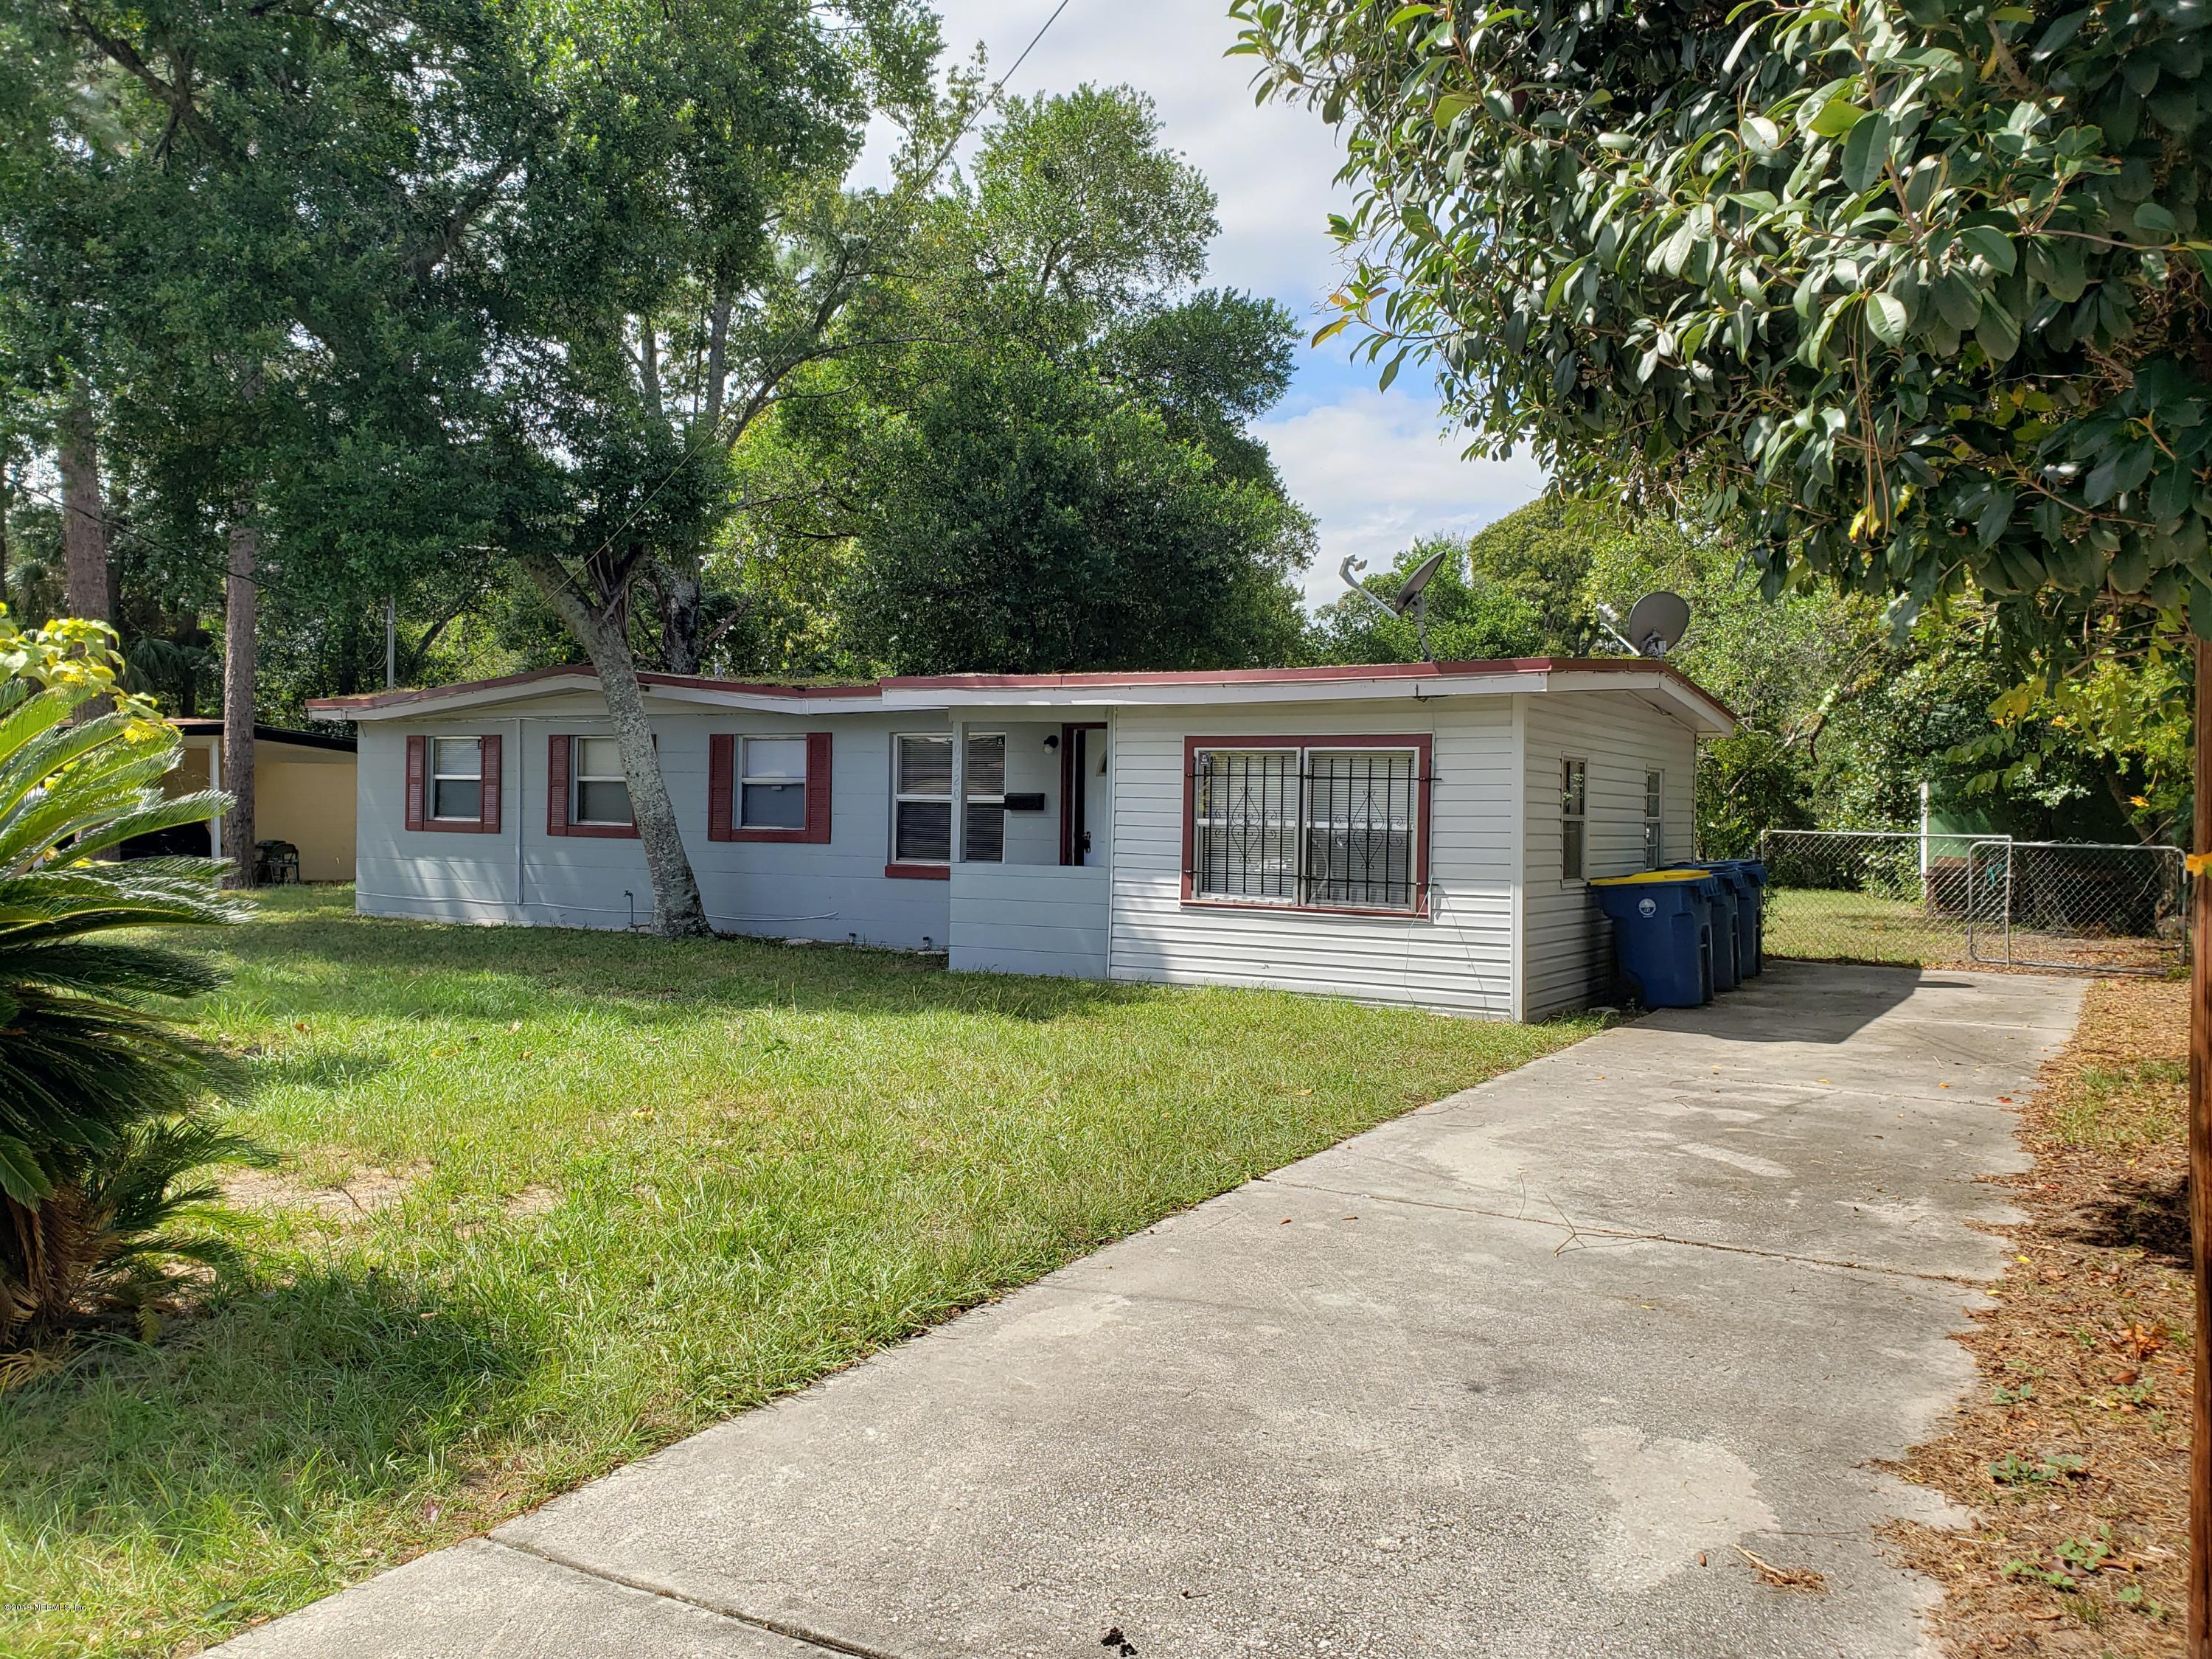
(99, 1082)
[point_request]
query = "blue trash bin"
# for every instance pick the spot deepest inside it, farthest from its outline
(1735, 947)
(1662, 933)
(1755, 874)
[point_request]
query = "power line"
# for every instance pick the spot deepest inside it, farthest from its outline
(112, 522)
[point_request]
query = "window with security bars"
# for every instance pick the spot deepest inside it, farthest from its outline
(1333, 827)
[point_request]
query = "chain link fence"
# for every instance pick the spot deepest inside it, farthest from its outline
(1942, 900)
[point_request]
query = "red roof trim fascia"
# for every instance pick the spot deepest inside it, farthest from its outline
(585, 671)
(1320, 675)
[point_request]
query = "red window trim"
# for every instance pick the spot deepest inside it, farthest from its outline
(722, 804)
(919, 872)
(557, 798)
(421, 787)
(1424, 746)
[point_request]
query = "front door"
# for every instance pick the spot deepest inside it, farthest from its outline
(1085, 797)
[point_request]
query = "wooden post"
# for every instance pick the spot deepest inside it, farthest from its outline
(2200, 1175)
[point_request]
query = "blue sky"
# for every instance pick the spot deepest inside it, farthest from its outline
(1374, 468)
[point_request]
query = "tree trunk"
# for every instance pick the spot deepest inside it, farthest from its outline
(679, 593)
(2200, 1172)
(600, 632)
(239, 597)
(7, 501)
(84, 515)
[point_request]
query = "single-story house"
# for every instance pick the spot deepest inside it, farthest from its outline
(304, 792)
(1416, 832)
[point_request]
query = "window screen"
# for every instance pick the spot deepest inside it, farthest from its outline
(772, 784)
(1574, 826)
(922, 808)
(457, 779)
(1654, 819)
(602, 795)
(983, 833)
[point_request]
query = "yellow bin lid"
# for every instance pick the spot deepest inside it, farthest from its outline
(1651, 875)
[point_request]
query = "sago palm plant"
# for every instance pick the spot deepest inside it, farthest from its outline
(98, 1081)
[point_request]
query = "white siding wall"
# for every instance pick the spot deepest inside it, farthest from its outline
(1460, 958)
(1029, 919)
(832, 891)
(1567, 946)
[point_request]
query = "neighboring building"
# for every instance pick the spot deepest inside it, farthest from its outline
(303, 792)
(1405, 833)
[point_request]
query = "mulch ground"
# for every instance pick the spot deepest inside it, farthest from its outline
(2072, 1454)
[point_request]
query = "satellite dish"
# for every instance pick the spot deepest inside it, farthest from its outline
(1417, 583)
(1657, 623)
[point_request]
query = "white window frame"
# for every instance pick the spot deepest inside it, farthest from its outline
(1574, 810)
(968, 798)
(805, 780)
(1655, 817)
(578, 778)
(949, 799)
(438, 774)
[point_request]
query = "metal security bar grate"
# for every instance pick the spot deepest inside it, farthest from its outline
(1359, 830)
(1245, 837)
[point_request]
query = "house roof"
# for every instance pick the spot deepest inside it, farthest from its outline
(1659, 682)
(209, 725)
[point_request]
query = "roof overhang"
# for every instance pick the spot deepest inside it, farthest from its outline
(1662, 686)
(553, 681)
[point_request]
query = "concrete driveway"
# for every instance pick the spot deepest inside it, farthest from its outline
(1517, 1374)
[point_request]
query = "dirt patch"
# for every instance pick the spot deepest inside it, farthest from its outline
(2072, 1453)
(536, 1198)
(359, 1195)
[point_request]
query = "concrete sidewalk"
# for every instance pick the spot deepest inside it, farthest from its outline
(1515, 1374)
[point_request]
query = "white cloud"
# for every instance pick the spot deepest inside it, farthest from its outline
(1369, 465)
(1375, 471)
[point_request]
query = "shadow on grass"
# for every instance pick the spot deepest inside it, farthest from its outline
(2150, 1216)
(280, 1409)
(496, 973)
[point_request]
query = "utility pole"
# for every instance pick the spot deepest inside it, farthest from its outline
(2200, 1169)
(391, 642)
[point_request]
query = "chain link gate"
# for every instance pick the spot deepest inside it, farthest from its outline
(1931, 900)
(2110, 907)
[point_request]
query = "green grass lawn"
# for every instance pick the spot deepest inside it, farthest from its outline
(599, 1191)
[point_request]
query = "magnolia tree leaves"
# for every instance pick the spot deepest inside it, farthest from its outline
(1918, 289)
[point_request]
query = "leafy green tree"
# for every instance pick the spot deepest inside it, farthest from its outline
(99, 1082)
(1913, 285)
(1026, 522)
(1054, 471)
(536, 265)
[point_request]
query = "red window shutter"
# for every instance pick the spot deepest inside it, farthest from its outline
(721, 786)
(556, 787)
(492, 783)
(417, 765)
(818, 786)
